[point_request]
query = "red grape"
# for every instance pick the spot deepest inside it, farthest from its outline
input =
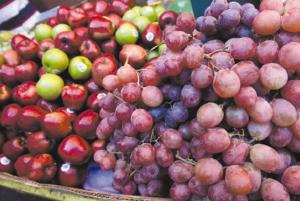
(273, 76)
(197, 187)
(255, 175)
(246, 97)
(261, 111)
(248, 15)
(181, 172)
(215, 140)
(290, 20)
(127, 74)
(236, 117)
(291, 92)
(202, 77)
(172, 138)
(152, 96)
(213, 45)
(149, 76)
(163, 155)
(284, 113)
(290, 4)
(289, 56)
(294, 145)
(105, 159)
(144, 153)
(219, 192)
(221, 60)
(210, 115)
(275, 5)
(208, 171)
(267, 51)
(180, 192)
(273, 190)
(226, 83)
(280, 137)
(247, 71)
(241, 48)
(111, 82)
(207, 25)
(186, 22)
(259, 131)
(124, 111)
(267, 22)
(296, 127)
(193, 56)
(291, 179)
(218, 6)
(131, 92)
(237, 152)
(142, 120)
(177, 40)
(286, 160)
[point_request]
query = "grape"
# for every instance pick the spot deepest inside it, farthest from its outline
(186, 22)
(218, 6)
(209, 95)
(243, 31)
(124, 111)
(104, 113)
(280, 137)
(283, 38)
(111, 147)
(129, 129)
(126, 144)
(260, 89)
(273, 76)
(240, 198)
(172, 139)
(207, 11)
(261, 111)
(222, 60)
(241, 48)
(154, 188)
(229, 18)
(286, 160)
(121, 176)
(237, 152)
(149, 76)
(173, 66)
(208, 171)
(215, 140)
(127, 74)
(246, 97)
(183, 78)
(267, 51)
(259, 131)
(235, 5)
(111, 82)
(255, 175)
(140, 178)
(193, 56)
(150, 171)
(267, 22)
(107, 102)
(290, 4)
(237, 180)
(190, 96)
(265, 158)
(273, 190)
(207, 25)
(197, 188)
(248, 15)
(129, 188)
(177, 40)
(180, 192)
(173, 93)
(290, 20)
(226, 83)
(291, 179)
(291, 92)
(185, 131)
(163, 155)
(181, 172)
(169, 120)
(247, 71)
(142, 189)
(294, 145)
(145, 154)
(295, 128)
(106, 160)
(219, 192)
(131, 92)
(289, 56)
(196, 129)
(236, 117)
(104, 130)
(158, 113)
(202, 77)
(210, 115)
(213, 45)
(197, 149)
(142, 120)
(275, 5)
(152, 96)
(284, 113)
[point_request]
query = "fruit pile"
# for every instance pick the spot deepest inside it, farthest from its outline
(175, 106)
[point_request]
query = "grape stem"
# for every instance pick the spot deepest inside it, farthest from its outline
(189, 161)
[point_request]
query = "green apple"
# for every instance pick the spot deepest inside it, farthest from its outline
(60, 28)
(141, 22)
(42, 32)
(159, 9)
(149, 12)
(127, 34)
(130, 15)
(5, 36)
(80, 68)
(55, 61)
(152, 55)
(162, 48)
(50, 86)
(137, 9)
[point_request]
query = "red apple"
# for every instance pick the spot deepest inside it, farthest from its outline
(5, 93)
(16, 39)
(103, 66)
(2, 140)
(69, 112)
(98, 145)
(82, 33)
(6, 165)
(38, 143)
(90, 49)
(92, 102)
(11, 57)
(131, 3)
(63, 13)
(25, 93)
(10, 115)
(88, 6)
(53, 21)
(152, 35)
(70, 175)
(74, 149)
(168, 17)
(56, 125)
(102, 7)
(74, 96)
(119, 7)
(101, 28)
(77, 17)
(116, 19)
(30, 118)
(14, 148)
(44, 46)
(27, 49)
(26, 71)
(109, 46)
(41, 168)
(67, 41)
(47, 105)
(91, 86)
(42, 71)
(8, 75)
(21, 165)
(86, 123)
(11, 133)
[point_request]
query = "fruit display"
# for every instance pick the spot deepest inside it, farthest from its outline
(139, 100)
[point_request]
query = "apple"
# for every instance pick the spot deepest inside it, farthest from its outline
(44, 46)
(119, 7)
(41, 168)
(63, 13)
(141, 22)
(42, 71)
(60, 28)
(168, 17)
(82, 33)
(116, 19)
(109, 46)
(6, 165)
(70, 175)
(11, 57)
(21, 165)
(16, 39)
(86, 123)
(90, 49)
(77, 17)
(130, 3)
(2, 140)
(127, 34)
(27, 49)
(42, 32)
(80, 68)
(75, 150)
(10, 115)
(8, 75)
(104, 65)
(102, 7)
(130, 15)
(74, 96)
(88, 6)
(55, 61)
(56, 125)
(30, 118)
(135, 54)
(52, 21)
(26, 71)
(5, 93)
(38, 143)
(50, 86)
(137, 9)
(92, 102)
(101, 28)
(46, 105)
(69, 112)
(14, 148)
(67, 41)
(25, 93)
(152, 35)
(149, 12)
(159, 9)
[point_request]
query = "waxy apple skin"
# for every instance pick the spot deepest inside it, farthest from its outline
(27, 71)
(6, 165)
(5, 93)
(8, 75)
(25, 93)
(10, 115)
(103, 66)
(38, 143)
(16, 39)
(30, 118)
(70, 175)
(63, 13)
(77, 17)
(101, 28)
(86, 123)
(14, 148)
(27, 49)
(80, 68)
(74, 96)
(82, 33)
(90, 49)
(67, 41)
(44, 46)
(102, 7)
(21, 165)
